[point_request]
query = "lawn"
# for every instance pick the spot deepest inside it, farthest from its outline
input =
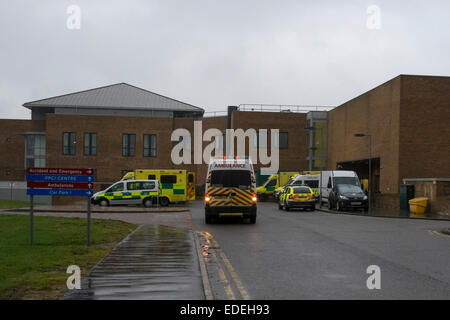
(13, 204)
(39, 271)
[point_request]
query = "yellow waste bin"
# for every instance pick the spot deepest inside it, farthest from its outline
(418, 205)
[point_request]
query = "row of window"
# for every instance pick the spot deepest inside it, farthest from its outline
(90, 143)
(149, 148)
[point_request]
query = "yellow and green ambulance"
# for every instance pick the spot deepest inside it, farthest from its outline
(273, 182)
(175, 185)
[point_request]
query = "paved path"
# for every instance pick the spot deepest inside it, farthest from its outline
(154, 262)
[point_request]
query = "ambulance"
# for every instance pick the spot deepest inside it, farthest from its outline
(274, 182)
(175, 185)
(230, 189)
(135, 192)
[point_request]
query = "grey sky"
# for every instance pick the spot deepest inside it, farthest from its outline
(217, 53)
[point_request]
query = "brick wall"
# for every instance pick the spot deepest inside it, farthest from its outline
(291, 159)
(425, 127)
(109, 161)
(376, 113)
(12, 147)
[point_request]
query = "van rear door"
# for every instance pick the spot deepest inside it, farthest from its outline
(230, 187)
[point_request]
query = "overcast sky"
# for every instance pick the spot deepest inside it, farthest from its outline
(218, 53)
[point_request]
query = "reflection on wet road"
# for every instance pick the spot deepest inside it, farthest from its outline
(154, 262)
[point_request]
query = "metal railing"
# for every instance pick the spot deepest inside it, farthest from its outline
(282, 108)
(270, 108)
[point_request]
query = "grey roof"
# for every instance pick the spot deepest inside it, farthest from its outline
(120, 95)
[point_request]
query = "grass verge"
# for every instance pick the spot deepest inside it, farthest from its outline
(39, 271)
(13, 204)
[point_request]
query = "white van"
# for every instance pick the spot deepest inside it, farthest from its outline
(230, 189)
(329, 179)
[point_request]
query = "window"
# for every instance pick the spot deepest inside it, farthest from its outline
(128, 145)
(283, 140)
(133, 186)
(312, 183)
(35, 151)
(90, 144)
(151, 177)
(148, 185)
(116, 188)
(347, 188)
(345, 180)
(271, 183)
(301, 190)
(169, 179)
(190, 178)
(69, 143)
(260, 140)
(149, 145)
(140, 185)
(230, 178)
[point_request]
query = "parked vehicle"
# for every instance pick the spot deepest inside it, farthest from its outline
(345, 196)
(274, 182)
(330, 179)
(176, 185)
(297, 197)
(144, 192)
(311, 180)
(230, 189)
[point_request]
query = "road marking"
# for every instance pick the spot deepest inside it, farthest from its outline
(225, 281)
(237, 281)
(437, 233)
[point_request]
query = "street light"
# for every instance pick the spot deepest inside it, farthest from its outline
(359, 135)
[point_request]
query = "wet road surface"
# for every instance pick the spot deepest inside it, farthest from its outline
(154, 262)
(318, 255)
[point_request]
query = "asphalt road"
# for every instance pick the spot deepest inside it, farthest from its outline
(318, 255)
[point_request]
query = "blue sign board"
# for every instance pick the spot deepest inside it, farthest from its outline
(59, 178)
(60, 192)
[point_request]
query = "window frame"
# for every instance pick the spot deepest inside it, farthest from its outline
(128, 149)
(90, 147)
(168, 175)
(150, 147)
(280, 146)
(72, 143)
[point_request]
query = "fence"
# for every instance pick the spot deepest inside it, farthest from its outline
(17, 190)
(282, 108)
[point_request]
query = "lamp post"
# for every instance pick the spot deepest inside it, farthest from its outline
(359, 135)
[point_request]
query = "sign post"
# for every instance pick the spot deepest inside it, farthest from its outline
(31, 219)
(60, 182)
(89, 222)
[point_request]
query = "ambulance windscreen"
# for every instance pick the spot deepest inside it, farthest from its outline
(231, 179)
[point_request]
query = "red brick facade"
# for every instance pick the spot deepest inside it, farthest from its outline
(407, 117)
